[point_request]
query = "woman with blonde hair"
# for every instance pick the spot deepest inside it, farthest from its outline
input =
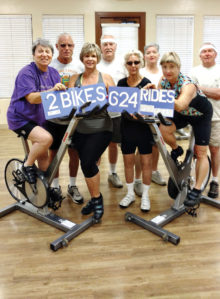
(191, 107)
(135, 135)
(93, 134)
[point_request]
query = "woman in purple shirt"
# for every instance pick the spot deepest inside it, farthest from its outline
(25, 113)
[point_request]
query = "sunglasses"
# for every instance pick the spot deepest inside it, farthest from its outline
(133, 62)
(64, 45)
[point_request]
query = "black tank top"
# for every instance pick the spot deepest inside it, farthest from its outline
(96, 123)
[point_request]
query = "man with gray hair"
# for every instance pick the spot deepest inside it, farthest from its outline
(67, 66)
(207, 76)
(109, 64)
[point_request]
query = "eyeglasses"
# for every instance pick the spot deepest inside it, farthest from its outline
(133, 62)
(65, 45)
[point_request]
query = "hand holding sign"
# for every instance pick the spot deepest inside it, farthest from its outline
(59, 104)
(143, 101)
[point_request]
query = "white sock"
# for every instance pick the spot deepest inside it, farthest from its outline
(214, 179)
(55, 183)
(72, 181)
(112, 168)
(130, 188)
(145, 190)
(137, 181)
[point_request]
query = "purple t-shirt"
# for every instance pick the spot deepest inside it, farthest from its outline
(29, 79)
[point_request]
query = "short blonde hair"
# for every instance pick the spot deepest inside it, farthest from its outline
(90, 48)
(172, 57)
(136, 53)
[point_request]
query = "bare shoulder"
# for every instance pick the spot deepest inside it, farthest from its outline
(108, 80)
(73, 79)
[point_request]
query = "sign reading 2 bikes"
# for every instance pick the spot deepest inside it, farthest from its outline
(144, 101)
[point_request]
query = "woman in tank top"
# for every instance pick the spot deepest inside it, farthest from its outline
(191, 107)
(93, 134)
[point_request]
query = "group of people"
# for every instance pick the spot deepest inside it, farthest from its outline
(94, 134)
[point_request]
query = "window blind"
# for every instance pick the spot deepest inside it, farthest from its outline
(126, 35)
(175, 33)
(15, 49)
(53, 25)
(211, 29)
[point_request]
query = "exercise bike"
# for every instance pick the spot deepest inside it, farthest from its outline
(37, 199)
(181, 180)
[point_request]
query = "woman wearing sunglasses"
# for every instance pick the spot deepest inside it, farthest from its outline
(135, 135)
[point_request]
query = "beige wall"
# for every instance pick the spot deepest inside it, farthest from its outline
(197, 8)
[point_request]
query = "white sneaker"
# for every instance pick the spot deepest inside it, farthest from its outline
(127, 200)
(138, 188)
(157, 178)
(145, 204)
(115, 180)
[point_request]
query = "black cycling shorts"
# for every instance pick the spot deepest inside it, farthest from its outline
(135, 135)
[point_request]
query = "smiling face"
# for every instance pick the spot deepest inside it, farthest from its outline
(151, 56)
(170, 71)
(90, 60)
(42, 57)
(108, 48)
(208, 56)
(133, 64)
(65, 46)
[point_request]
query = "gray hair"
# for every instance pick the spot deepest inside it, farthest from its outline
(61, 35)
(42, 42)
(90, 48)
(172, 57)
(136, 53)
(110, 37)
(156, 46)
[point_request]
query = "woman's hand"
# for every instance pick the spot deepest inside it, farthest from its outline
(58, 86)
(150, 86)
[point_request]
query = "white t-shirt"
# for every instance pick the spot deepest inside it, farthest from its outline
(154, 78)
(208, 77)
(116, 70)
(67, 70)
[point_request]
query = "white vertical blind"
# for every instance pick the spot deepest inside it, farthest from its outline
(54, 25)
(15, 49)
(126, 35)
(175, 33)
(211, 32)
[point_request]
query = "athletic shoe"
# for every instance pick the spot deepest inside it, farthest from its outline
(193, 198)
(145, 204)
(157, 178)
(98, 207)
(88, 208)
(56, 192)
(127, 200)
(138, 188)
(176, 153)
(74, 194)
(114, 180)
(29, 173)
(213, 191)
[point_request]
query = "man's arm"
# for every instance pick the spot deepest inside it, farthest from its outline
(211, 92)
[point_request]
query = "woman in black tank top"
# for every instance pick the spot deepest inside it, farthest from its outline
(92, 135)
(136, 135)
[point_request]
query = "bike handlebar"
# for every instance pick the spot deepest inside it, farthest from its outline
(148, 119)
